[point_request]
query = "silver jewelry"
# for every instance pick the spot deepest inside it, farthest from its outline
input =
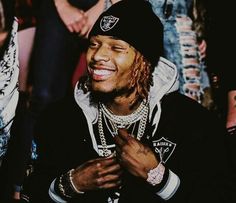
(66, 186)
(102, 135)
(124, 121)
(72, 183)
(155, 175)
(116, 121)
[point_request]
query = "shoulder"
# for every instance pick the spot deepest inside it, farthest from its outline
(182, 103)
(184, 110)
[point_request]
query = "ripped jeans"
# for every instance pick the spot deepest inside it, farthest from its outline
(181, 47)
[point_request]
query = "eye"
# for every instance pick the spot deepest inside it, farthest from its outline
(93, 44)
(118, 48)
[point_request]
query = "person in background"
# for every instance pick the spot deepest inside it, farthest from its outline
(185, 45)
(60, 37)
(127, 134)
(9, 71)
(221, 59)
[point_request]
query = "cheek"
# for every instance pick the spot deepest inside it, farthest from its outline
(125, 62)
(123, 79)
(88, 57)
(128, 59)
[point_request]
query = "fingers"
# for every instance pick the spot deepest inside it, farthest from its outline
(76, 21)
(98, 173)
(84, 30)
(119, 141)
(122, 138)
(109, 182)
(112, 169)
(107, 162)
(109, 179)
(122, 132)
(107, 165)
(76, 26)
(109, 174)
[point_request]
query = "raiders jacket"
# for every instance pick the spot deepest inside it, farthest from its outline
(186, 137)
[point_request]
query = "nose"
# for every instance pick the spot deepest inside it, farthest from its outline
(101, 54)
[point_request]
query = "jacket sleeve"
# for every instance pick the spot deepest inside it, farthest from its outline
(201, 157)
(9, 71)
(204, 169)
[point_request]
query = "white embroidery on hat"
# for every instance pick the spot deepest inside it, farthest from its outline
(108, 22)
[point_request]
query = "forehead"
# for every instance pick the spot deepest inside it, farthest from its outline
(109, 39)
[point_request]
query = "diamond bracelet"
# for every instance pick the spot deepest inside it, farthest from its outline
(155, 175)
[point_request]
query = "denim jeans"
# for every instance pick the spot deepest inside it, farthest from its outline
(55, 55)
(180, 46)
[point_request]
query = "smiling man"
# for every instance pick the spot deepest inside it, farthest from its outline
(127, 135)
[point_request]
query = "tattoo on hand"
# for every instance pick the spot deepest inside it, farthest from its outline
(143, 150)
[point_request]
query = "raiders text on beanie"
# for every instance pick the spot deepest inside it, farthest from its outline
(134, 23)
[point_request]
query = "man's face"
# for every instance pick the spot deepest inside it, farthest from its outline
(109, 63)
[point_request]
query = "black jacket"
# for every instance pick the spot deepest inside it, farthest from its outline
(199, 158)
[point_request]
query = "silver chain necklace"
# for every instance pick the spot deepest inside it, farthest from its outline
(141, 113)
(124, 121)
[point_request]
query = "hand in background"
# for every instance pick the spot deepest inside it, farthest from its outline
(73, 18)
(92, 15)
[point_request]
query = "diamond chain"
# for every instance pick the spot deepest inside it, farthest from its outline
(141, 114)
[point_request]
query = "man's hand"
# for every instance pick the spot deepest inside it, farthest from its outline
(101, 173)
(137, 158)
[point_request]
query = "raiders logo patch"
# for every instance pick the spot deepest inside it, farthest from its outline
(108, 22)
(164, 148)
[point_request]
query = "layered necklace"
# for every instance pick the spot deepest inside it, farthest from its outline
(118, 121)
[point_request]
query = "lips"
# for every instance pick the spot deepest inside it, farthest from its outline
(100, 74)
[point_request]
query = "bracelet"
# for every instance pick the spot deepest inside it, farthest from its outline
(155, 175)
(66, 186)
(72, 184)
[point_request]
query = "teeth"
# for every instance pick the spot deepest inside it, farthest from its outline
(102, 72)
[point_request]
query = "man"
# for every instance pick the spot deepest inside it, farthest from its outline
(127, 135)
(225, 83)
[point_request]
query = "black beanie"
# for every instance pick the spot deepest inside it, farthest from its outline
(135, 23)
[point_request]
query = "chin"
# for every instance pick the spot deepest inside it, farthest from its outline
(97, 96)
(99, 87)
(107, 95)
